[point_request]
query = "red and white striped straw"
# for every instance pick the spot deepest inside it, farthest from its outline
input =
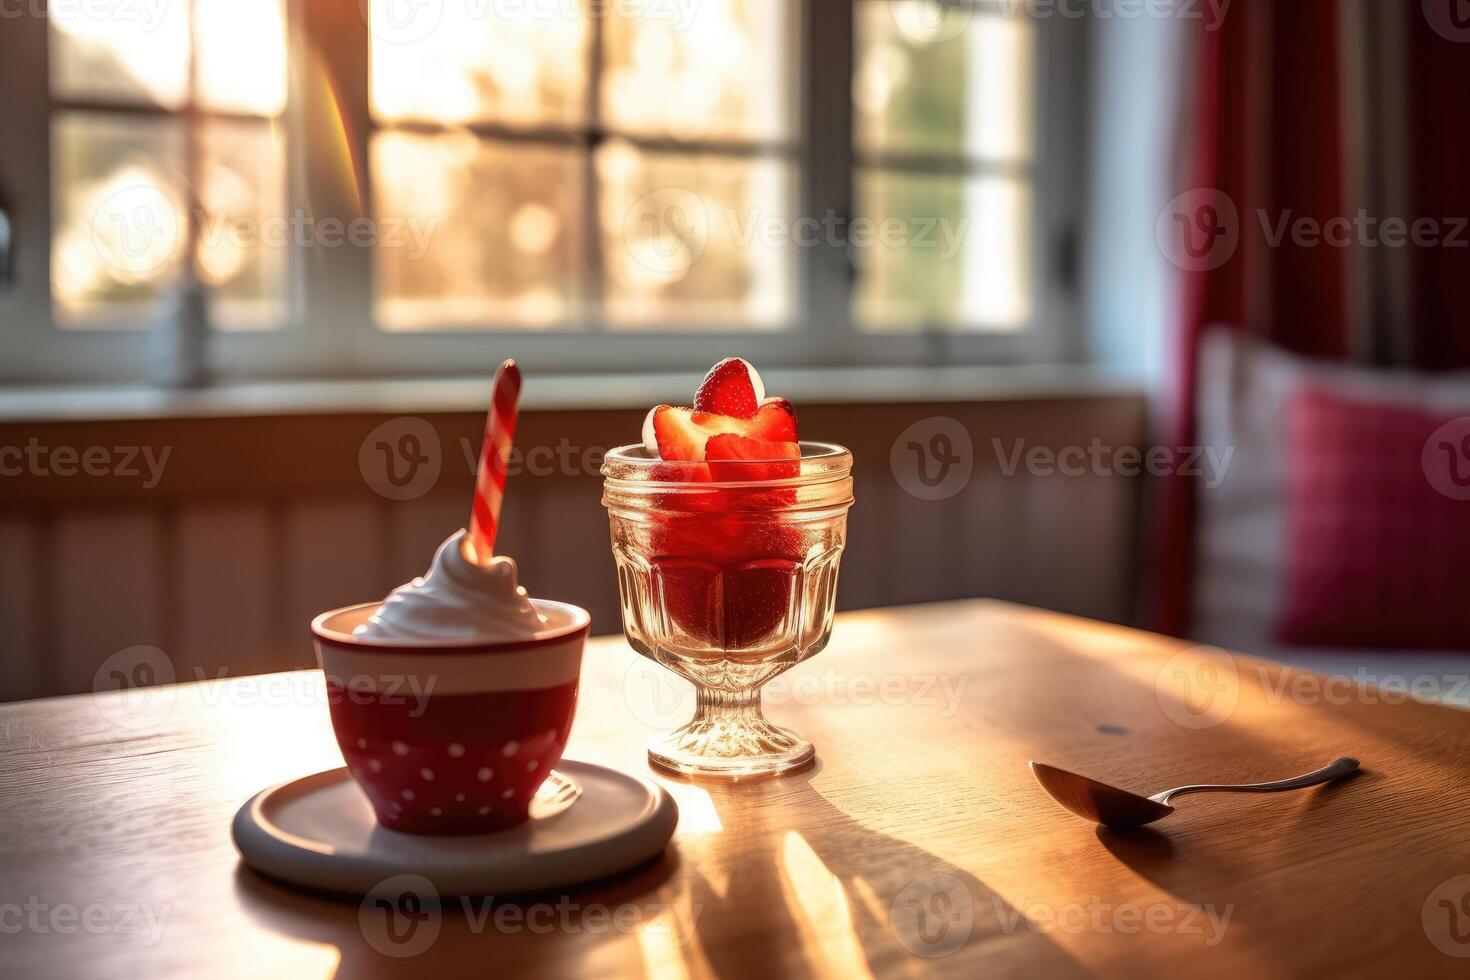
(500, 432)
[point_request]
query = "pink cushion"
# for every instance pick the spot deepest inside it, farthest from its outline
(1376, 556)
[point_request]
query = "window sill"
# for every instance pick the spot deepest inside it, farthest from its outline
(565, 392)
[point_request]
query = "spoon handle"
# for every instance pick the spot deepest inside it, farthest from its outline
(1339, 768)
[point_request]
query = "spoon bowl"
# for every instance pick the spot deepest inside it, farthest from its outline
(1118, 808)
(1098, 802)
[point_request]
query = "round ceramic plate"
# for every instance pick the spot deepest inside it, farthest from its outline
(320, 832)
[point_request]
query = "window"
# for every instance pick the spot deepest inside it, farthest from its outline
(384, 186)
(165, 135)
(583, 168)
(943, 117)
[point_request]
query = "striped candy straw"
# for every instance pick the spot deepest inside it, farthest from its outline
(500, 432)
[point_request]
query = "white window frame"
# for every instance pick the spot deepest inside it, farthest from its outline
(332, 333)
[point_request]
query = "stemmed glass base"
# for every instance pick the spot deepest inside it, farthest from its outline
(729, 738)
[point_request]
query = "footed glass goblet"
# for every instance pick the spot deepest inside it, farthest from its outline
(728, 577)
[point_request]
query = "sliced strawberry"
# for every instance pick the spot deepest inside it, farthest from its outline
(731, 388)
(774, 421)
(735, 458)
(727, 580)
(680, 434)
(760, 601)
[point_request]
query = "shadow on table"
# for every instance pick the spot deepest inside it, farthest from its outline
(835, 896)
(789, 884)
(1195, 867)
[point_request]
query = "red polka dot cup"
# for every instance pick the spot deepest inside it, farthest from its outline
(452, 737)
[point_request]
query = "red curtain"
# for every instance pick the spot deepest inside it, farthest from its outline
(1439, 149)
(1274, 123)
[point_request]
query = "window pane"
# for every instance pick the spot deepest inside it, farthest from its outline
(931, 78)
(522, 64)
(942, 252)
(696, 239)
(121, 53)
(474, 234)
(242, 55)
(119, 215)
(712, 69)
(245, 235)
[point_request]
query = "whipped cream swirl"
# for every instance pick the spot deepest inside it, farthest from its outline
(458, 601)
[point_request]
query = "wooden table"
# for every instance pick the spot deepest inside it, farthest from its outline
(919, 843)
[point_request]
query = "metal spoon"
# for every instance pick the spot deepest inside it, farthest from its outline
(1119, 808)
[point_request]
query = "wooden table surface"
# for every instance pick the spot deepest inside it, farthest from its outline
(919, 843)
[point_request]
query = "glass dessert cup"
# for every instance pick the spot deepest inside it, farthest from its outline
(728, 583)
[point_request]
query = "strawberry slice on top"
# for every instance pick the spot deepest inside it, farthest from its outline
(732, 387)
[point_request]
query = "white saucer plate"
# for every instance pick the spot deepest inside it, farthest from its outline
(320, 832)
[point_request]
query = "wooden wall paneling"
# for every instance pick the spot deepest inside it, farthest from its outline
(23, 673)
(568, 553)
(986, 524)
(865, 569)
(1107, 533)
(334, 556)
(205, 457)
(415, 530)
(1076, 555)
(1101, 541)
(997, 431)
(226, 602)
(416, 527)
(1057, 562)
(1003, 487)
(521, 536)
(272, 518)
(110, 589)
(576, 546)
(923, 547)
